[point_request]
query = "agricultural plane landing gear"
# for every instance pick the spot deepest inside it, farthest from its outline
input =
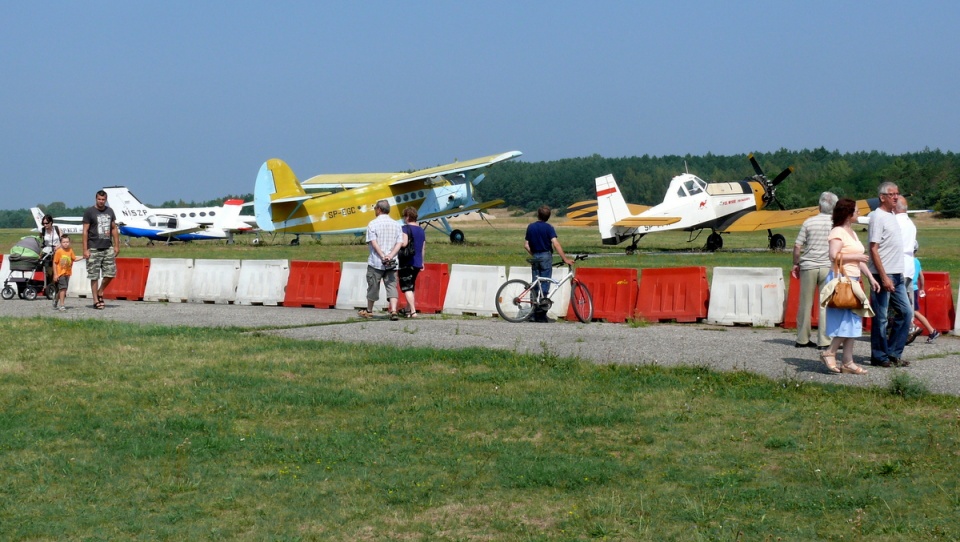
(777, 242)
(457, 237)
(714, 242)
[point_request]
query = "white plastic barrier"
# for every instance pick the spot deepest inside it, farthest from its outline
(262, 282)
(214, 281)
(746, 295)
(352, 293)
(561, 299)
(956, 318)
(79, 280)
(169, 280)
(472, 289)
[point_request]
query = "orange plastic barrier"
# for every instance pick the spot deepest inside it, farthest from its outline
(937, 305)
(679, 293)
(312, 284)
(430, 288)
(614, 293)
(131, 279)
(793, 303)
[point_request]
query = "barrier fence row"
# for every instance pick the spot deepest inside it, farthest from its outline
(737, 296)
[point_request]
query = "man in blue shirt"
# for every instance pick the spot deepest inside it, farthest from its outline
(541, 240)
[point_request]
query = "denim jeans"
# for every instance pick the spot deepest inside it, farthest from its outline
(542, 266)
(882, 345)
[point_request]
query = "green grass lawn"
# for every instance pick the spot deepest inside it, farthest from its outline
(114, 431)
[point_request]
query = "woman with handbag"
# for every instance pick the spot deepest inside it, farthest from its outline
(846, 325)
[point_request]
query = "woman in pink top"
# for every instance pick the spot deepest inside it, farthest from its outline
(845, 325)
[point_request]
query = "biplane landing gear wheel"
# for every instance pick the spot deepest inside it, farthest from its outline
(295, 242)
(29, 293)
(457, 237)
(8, 293)
(714, 242)
(778, 242)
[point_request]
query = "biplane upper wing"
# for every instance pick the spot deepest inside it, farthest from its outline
(329, 181)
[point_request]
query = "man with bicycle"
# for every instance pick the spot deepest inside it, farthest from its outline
(541, 241)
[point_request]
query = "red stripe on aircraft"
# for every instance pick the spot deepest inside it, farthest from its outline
(606, 191)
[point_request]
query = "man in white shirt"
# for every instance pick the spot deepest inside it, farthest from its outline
(886, 264)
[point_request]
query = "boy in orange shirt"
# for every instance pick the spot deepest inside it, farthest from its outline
(62, 270)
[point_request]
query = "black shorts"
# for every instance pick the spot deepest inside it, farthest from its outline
(408, 278)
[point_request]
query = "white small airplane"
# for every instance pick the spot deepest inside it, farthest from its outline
(176, 224)
(691, 204)
(68, 225)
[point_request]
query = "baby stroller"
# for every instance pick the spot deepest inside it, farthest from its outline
(27, 262)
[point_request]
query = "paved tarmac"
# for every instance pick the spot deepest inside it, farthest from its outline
(765, 351)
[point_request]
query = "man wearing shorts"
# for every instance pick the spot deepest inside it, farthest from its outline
(101, 245)
(384, 238)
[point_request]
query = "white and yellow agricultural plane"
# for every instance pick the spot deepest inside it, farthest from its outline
(692, 204)
(343, 203)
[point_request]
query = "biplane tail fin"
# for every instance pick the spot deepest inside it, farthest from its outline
(277, 194)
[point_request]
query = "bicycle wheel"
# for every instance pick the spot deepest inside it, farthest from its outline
(513, 301)
(582, 301)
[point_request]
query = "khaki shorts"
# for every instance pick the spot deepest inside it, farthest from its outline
(102, 263)
(389, 278)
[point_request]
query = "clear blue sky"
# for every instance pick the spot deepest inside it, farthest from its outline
(185, 100)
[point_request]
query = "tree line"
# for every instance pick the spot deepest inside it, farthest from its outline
(930, 179)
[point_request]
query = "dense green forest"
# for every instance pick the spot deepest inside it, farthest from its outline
(930, 179)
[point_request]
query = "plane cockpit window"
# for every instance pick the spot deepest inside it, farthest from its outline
(693, 187)
(681, 193)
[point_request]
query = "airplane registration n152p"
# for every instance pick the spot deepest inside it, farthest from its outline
(343, 203)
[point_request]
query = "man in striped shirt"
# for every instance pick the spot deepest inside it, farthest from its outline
(811, 264)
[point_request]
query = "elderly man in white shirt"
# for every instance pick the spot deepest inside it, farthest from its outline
(811, 265)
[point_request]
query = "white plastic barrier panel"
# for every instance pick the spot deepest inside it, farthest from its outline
(956, 318)
(472, 289)
(214, 281)
(169, 279)
(561, 299)
(352, 293)
(79, 285)
(746, 295)
(262, 282)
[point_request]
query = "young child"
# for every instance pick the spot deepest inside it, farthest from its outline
(63, 260)
(918, 284)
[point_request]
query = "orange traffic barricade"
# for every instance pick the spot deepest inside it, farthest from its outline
(938, 305)
(430, 288)
(679, 293)
(312, 284)
(614, 292)
(793, 303)
(131, 279)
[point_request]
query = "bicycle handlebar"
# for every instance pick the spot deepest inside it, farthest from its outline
(576, 258)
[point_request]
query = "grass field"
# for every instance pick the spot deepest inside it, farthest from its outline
(112, 431)
(122, 432)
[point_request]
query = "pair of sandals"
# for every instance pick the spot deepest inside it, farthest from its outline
(98, 301)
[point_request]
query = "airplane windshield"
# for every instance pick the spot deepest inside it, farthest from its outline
(693, 187)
